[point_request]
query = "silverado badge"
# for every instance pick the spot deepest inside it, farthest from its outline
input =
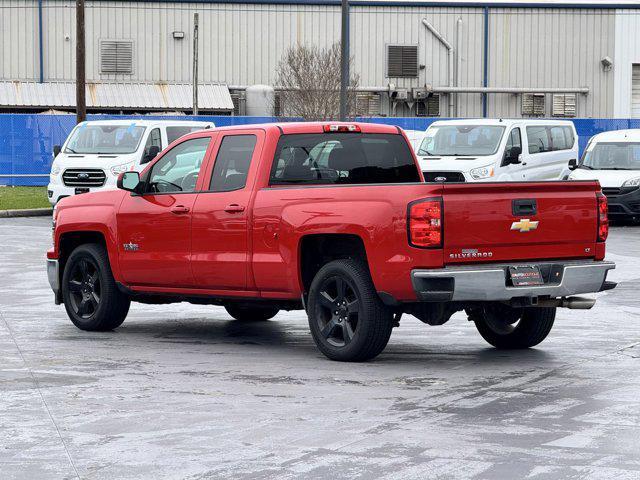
(525, 225)
(131, 247)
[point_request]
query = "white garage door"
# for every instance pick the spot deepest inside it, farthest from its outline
(635, 91)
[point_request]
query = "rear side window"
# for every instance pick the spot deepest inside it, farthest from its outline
(232, 163)
(538, 138)
(343, 158)
(174, 133)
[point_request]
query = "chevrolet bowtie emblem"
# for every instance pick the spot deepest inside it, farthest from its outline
(525, 225)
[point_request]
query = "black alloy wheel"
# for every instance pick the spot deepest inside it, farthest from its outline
(338, 311)
(84, 288)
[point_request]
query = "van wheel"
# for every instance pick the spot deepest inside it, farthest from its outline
(348, 321)
(513, 328)
(247, 313)
(90, 294)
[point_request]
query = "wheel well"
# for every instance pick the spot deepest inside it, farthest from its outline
(318, 250)
(72, 240)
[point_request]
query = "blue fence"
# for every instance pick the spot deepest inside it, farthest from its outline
(27, 140)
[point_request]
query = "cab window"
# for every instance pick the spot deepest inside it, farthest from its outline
(514, 141)
(177, 171)
(154, 140)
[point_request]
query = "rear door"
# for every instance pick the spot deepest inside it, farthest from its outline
(220, 247)
(489, 222)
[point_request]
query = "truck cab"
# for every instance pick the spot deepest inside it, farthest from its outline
(96, 152)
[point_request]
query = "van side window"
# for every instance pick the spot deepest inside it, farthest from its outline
(154, 140)
(558, 140)
(569, 137)
(538, 139)
(232, 163)
(514, 140)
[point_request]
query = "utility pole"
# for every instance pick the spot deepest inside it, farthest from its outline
(195, 64)
(81, 98)
(344, 61)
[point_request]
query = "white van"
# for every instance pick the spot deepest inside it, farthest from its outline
(497, 150)
(96, 152)
(613, 158)
(415, 138)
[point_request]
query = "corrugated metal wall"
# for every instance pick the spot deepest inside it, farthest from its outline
(627, 54)
(241, 44)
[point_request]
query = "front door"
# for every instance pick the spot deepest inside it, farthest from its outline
(220, 247)
(154, 229)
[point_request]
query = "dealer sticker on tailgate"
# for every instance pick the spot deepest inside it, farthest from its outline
(526, 276)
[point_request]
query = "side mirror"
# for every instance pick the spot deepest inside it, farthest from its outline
(514, 155)
(573, 164)
(154, 150)
(56, 150)
(129, 181)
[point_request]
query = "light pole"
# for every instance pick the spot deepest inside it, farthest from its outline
(81, 99)
(344, 61)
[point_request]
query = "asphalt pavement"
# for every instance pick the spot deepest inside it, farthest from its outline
(184, 391)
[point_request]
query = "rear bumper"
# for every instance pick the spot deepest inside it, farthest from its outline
(483, 283)
(53, 273)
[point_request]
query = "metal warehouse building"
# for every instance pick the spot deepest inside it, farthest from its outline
(413, 58)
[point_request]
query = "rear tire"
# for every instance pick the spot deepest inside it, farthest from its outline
(348, 321)
(513, 328)
(89, 291)
(251, 313)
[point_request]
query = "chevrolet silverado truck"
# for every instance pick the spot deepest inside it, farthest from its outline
(335, 219)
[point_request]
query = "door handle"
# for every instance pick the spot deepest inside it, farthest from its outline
(179, 209)
(234, 208)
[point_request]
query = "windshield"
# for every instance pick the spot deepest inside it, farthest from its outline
(611, 156)
(110, 139)
(476, 140)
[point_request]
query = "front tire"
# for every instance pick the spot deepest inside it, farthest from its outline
(248, 313)
(89, 291)
(348, 321)
(513, 328)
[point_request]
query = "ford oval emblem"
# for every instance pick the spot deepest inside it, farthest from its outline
(440, 179)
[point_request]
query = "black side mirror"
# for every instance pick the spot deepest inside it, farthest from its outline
(129, 181)
(154, 150)
(573, 164)
(56, 150)
(514, 155)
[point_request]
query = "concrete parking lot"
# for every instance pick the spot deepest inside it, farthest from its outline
(183, 391)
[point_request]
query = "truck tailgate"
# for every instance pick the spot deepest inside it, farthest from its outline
(489, 222)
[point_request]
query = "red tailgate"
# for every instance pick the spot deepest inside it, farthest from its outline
(488, 222)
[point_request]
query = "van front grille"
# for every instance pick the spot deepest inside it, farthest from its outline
(86, 177)
(448, 176)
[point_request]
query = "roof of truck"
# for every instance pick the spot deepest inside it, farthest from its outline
(315, 127)
(502, 121)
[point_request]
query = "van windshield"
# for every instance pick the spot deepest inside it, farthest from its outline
(611, 156)
(461, 140)
(105, 139)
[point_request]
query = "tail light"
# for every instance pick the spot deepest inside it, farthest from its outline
(341, 128)
(425, 223)
(603, 217)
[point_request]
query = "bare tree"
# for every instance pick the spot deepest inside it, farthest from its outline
(309, 79)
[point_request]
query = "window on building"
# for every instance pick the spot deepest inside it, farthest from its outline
(232, 163)
(402, 61)
(538, 139)
(116, 56)
(343, 158)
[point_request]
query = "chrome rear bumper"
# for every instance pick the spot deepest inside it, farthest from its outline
(491, 282)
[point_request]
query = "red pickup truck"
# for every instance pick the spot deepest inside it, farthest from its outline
(334, 219)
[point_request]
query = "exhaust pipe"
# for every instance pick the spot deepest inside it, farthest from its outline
(574, 303)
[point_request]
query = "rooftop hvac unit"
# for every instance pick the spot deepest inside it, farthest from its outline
(564, 105)
(533, 104)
